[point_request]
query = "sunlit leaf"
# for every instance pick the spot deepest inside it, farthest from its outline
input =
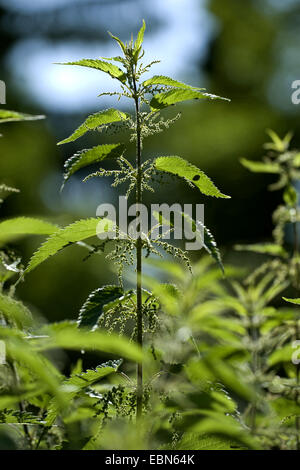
(111, 69)
(25, 226)
(168, 98)
(180, 167)
(89, 156)
(96, 120)
(78, 231)
(8, 116)
(167, 81)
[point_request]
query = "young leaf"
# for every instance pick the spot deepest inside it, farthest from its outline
(180, 167)
(168, 98)
(78, 231)
(265, 248)
(89, 156)
(290, 196)
(95, 120)
(25, 226)
(292, 301)
(9, 116)
(260, 167)
(121, 44)
(92, 309)
(14, 310)
(140, 37)
(167, 81)
(111, 69)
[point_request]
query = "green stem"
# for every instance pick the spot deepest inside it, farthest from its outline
(295, 254)
(138, 200)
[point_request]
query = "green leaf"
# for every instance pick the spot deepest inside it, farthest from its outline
(167, 81)
(168, 98)
(78, 231)
(278, 144)
(265, 248)
(197, 441)
(71, 337)
(78, 382)
(284, 354)
(95, 120)
(121, 44)
(140, 37)
(9, 116)
(16, 416)
(20, 351)
(92, 309)
(25, 226)
(88, 156)
(111, 69)
(290, 196)
(211, 247)
(260, 167)
(91, 376)
(14, 310)
(180, 167)
(292, 301)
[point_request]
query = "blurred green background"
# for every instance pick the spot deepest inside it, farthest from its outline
(245, 50)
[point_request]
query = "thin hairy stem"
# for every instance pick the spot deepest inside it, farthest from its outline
(138, 200)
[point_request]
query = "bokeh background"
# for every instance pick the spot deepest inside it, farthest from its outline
(246, 50)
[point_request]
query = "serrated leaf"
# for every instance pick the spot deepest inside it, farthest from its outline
(78, 231)
(208, 241)
(91, 376)
(16, 416)
(168, 98)
(96, 120)
(260, 167)
(92, 309)
(88, 156)
(10, 116)
(180, 167)
(25, 226)
(111, 69)
(265, 248)
(15, 311)
(167, 81)
(5, 191)
(78, 382)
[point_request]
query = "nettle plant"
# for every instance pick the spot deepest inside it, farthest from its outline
(271, 334)
(149, 98)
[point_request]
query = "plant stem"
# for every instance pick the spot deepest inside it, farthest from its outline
(296, 251)
(138, 200)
